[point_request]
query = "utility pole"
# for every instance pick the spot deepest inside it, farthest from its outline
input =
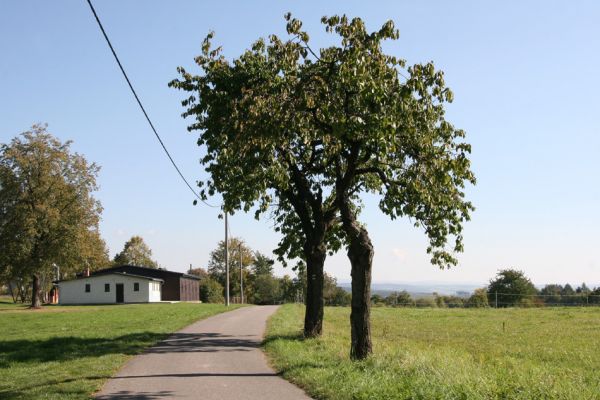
(496, 299)
(241, 276)
(226, 262)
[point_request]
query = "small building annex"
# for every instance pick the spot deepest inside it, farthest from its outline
(177, 286)
(110, 288)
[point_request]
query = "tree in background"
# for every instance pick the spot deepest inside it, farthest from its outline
(48, 214)
(199, 272)
(262, 264)
(333, 295)
(211, 291)
(551, 294)
(216, 265)
(267, 290)
(402, 299)
(479, 299)
(512, 287)
(594, 296)
(136, 252)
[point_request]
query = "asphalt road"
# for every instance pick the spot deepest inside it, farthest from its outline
(217, 358)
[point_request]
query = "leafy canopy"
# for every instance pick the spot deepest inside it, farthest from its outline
(287, 124)
(48, 214)
(136, 252)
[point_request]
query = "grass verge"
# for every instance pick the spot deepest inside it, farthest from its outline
(68, 352)
(444, 354)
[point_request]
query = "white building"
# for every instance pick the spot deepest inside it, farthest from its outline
(115, 287)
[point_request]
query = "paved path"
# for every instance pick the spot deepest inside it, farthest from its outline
(217, 358)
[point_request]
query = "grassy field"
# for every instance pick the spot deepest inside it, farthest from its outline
(445, 354)
(67, 352)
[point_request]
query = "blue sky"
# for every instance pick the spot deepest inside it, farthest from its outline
(527, 91)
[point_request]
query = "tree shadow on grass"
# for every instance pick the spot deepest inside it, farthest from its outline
(292, 337)
(70, 348)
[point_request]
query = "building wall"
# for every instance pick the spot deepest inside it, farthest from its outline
(172, 288)
(73, 292)
(189, 289)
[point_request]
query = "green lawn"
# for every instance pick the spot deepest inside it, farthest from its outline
(445, 354)
(67, 352)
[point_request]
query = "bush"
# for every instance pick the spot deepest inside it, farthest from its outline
(267, 290)
(426, 302)
(211, 291)
(479, 299)
(399, 299)
(340, 297)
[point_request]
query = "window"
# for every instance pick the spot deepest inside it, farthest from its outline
(107, 287)
(136, 287)
(88, 288)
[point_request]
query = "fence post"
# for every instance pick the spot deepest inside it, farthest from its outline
(496, 299)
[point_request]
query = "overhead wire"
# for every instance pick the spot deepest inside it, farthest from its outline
(139, 102)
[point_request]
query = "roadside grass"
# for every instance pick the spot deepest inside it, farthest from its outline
(444, 354)
(68, 352)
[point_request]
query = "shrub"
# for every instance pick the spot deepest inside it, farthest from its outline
(211, 291)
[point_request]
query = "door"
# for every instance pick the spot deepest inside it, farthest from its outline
(120, 293)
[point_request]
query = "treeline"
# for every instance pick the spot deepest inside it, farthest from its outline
(510, 288)
(403, 299)
(251, 279)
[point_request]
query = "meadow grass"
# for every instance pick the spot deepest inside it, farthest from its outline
(550, 353)
(68, 352)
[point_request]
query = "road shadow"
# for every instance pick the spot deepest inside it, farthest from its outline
(126, 395)
(204, 343)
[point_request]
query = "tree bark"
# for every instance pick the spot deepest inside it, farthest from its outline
(313, 318)
(12, 292)
(35, 293)
(360, 253)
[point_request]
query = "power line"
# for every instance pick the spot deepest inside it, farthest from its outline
(142, 107)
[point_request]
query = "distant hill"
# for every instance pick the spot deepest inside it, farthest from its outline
(421, 289)
(426, 289)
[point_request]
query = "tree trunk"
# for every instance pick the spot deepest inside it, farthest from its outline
(35, 293)
(12, 292)
(313, 319)
(360, 253)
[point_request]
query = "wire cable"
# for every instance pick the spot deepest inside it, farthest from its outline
(142, 107)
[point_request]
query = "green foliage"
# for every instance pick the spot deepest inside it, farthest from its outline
(216, 265)
(449, 301)
(479, 299)
(333, 295)
(48, 214)
(433, 353)
(283, 122)
(267, 290)
(69, 352)
(512, 287)
(263, 265)
(211, 291)
(377, 299)
(135, 252)
(401, 299)
(199, 272)
(426, 302)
